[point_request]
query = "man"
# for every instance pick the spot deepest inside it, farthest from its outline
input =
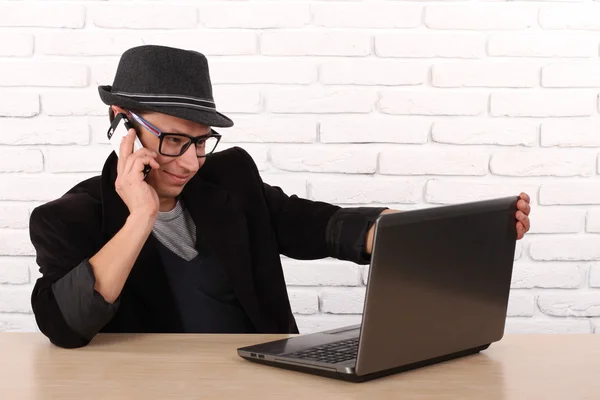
(193, 247)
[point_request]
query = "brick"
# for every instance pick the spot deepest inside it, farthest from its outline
(275, 129)
(254, 15)
(319, 100)
(38, 73)
(452, 192)
(485, 74)
(359, 15)
(570, 304)
(314, 43)
(19, 104)
(237, 99)
(543, 163)
(319, 322)
(77, 159)
(85, 43)
(575, 192)
(321, 273)
(304, 301)
(15, 270)
(482, 17)
(359, 71)
(430, 45)
(593, 221)
(358, 190)
(595, 325)
(557, 220)
(570, 133)
(209, 42)
(42, 14)
(374, 129)
(309, 158)
(432, 103)
(547, 275)
(14, 44)
(564, 103)
(39, 187)
(343, 300)
(258, 152)
(555, 326)
(544, 44)
(566, 248)
(269, 71)
(15, 299)
(15, 242)
(518, 250)
(433, 162)
(98, 127)
(572, 16)
(18, 323)
(485, 131)
(14, 215)
(520, 304)
(18, 160)
(44, 130)
(69, 103)
(565, 75)
(288, 182)
(136, 17)
(103, 73)
(594, 277)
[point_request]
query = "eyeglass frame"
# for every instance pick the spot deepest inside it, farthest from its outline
(161, 135)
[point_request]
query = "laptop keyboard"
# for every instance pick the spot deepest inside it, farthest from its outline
(331, 353)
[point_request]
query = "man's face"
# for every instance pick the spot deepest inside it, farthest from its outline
(174, 172)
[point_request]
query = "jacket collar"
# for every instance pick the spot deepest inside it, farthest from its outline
(199, 191)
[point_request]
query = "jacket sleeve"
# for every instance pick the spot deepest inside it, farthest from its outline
(307, 229)
(67, 309)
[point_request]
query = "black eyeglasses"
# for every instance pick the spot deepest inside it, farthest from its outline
(175, 144)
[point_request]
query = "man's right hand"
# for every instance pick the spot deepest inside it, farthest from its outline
(138, 195)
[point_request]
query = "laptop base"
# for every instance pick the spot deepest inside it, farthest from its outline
(350, 377)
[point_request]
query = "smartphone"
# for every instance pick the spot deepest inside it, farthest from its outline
(119, 128)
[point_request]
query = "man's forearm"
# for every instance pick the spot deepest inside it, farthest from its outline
(371, 233)
(113, 263)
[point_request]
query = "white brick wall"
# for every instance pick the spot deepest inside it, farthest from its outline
(404, 103)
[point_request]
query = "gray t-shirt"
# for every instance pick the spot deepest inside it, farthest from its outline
(176, 230)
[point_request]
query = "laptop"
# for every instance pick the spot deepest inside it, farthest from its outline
(438, 289)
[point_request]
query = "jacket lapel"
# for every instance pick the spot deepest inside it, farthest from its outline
(221, 227)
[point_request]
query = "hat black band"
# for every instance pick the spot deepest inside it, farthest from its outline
(170, 100)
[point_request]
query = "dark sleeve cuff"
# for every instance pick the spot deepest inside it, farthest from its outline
(83, 308)
(347, 233)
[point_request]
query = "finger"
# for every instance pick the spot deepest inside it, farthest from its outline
(141, 162)
(520, 215)
(126, 147)
(141, 153)
(138, 163)
(520, 231)
(524, 206)
(525, 197)
(526, 223)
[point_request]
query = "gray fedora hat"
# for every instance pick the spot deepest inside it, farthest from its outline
(166, 80)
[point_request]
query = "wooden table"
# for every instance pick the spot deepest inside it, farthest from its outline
(531, 367)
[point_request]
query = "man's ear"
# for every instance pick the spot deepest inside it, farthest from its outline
(117, 109)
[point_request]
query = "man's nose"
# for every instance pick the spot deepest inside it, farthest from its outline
(189, 159)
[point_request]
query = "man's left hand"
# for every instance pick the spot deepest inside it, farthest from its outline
(522, 215)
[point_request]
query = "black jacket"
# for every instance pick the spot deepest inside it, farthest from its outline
(247, 223)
